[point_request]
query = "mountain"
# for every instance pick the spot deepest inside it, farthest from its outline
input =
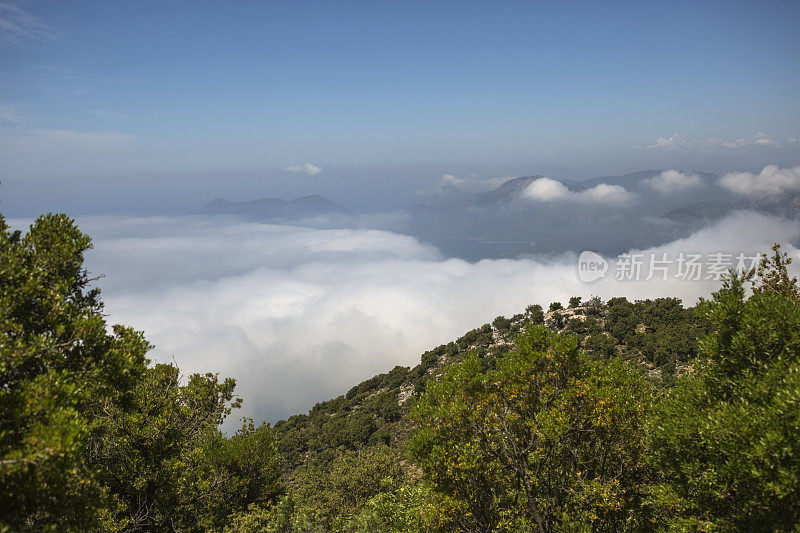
(634, 179)
(785, 205)
(660, 335)
(508, 191)
(273, 208)
(700, 212)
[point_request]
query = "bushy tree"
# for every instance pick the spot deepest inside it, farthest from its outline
(92, 437)
(535, 314)
(726, 440)
(58, 367)
(501, 323)
(331, 496)
(548, 440)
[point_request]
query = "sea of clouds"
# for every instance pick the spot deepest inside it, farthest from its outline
(298, 315)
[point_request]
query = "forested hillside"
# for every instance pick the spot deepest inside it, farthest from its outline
(585, 416)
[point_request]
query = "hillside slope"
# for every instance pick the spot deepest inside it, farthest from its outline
(660, 335)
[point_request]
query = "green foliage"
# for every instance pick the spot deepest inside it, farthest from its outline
(333, 495)
(660, 332)
(165, 464)
(556, 321)
(555, 306)
(574, 301)
(501, 323)
(535, 314)
(549, 436)
(726, 440)
(91, 436)
(413, 507)
(594, 307)
(58, 367)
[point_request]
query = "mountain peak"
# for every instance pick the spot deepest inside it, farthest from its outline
(508, 191)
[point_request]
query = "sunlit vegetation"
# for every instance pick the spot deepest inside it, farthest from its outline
(602, 416)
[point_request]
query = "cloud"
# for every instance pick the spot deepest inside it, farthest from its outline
(550, 190)
(671, 181)
(678, 143)
(305, 168)
(771, 180)
(473, 183)
(299, 315)
(18, 25)
(450, 180)
(546, 190)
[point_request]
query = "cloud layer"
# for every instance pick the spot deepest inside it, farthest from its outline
(305, 168)
(550, 190)
(772, 180)
(298, 315)
(671, 181)
(678, 143)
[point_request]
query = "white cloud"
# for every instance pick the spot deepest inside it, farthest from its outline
(299, 315)
(18, 25)
(669, 143)
(471, 184)
(450, 180)
(550, 190)
(546, 190)
(770, 181)
(676, 142)
(762, 139)
(671, 181)
(305, 168)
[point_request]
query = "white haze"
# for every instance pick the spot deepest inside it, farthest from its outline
(299, 315)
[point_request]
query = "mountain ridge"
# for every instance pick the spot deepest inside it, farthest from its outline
(273, 208)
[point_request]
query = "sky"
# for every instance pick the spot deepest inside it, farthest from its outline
(379, 99)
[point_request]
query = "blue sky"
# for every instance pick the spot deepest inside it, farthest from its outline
(111, 88)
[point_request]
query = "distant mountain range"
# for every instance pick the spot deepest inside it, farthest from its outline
(274, 208)
(503, 223)
(785, 205)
